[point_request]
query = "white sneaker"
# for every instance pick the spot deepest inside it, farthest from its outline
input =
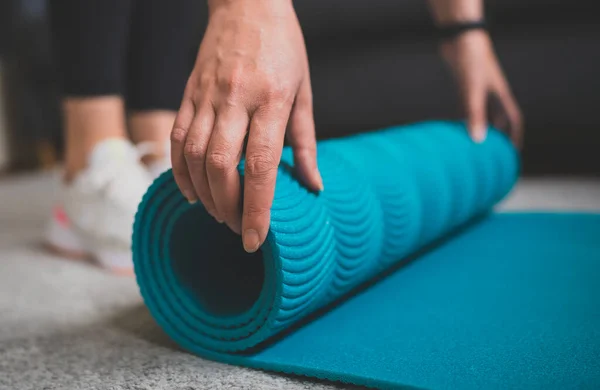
(95, 215)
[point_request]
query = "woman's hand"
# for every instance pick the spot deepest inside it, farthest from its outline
(250, 78)
(481, 81)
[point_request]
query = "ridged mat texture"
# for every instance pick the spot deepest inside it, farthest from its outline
(395, 275)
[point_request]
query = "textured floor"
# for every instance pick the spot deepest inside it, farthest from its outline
(66, 325)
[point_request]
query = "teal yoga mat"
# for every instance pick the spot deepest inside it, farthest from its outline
(396, 275)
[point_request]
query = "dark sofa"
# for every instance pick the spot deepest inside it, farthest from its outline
(374, 63)
(389, 72)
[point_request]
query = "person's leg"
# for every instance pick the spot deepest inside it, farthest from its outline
(164, 38)
(88, 121)
(89, 39)
(105, 179)
(153, 126)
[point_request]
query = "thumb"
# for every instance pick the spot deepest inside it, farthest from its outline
(302, 139)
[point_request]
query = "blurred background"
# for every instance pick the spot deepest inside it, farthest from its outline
(390, 70)
(374, 63)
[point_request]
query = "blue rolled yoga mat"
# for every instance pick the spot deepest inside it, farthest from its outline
(395, 275)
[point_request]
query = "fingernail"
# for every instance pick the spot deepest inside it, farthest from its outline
(250, 240)
(218, 220)
(480, 135)
(190, 196)
(321, 186)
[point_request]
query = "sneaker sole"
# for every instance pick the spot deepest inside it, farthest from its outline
(62, 240)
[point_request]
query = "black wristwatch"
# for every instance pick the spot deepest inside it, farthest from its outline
(450, 31)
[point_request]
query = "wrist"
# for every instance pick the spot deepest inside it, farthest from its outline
(469, 41)
(450, 31)
(446, 12)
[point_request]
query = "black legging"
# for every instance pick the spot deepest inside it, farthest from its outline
(140, 49)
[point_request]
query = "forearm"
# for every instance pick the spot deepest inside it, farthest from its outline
(452, 11)
(213, 5)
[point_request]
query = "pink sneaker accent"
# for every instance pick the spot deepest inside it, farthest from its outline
(61, 238)
(60, 216)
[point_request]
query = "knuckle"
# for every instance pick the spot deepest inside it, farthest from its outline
(261, 165)
(308, 151)
(233, 82)
(231, 100)
(205, 80)
(219, 161)
(253, 210)
(178, 135)
(193, 151)
(275, 91)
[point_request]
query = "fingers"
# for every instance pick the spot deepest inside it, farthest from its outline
(263, 153)
(513, 116)
(179, 134)
(467, 57)
(508, 104)
(499, 119)
(301, 136)
(194, 151)
(223, 156)
(497, 116)
(475, 102)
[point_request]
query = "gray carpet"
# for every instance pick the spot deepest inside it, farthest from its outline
(68, 325)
